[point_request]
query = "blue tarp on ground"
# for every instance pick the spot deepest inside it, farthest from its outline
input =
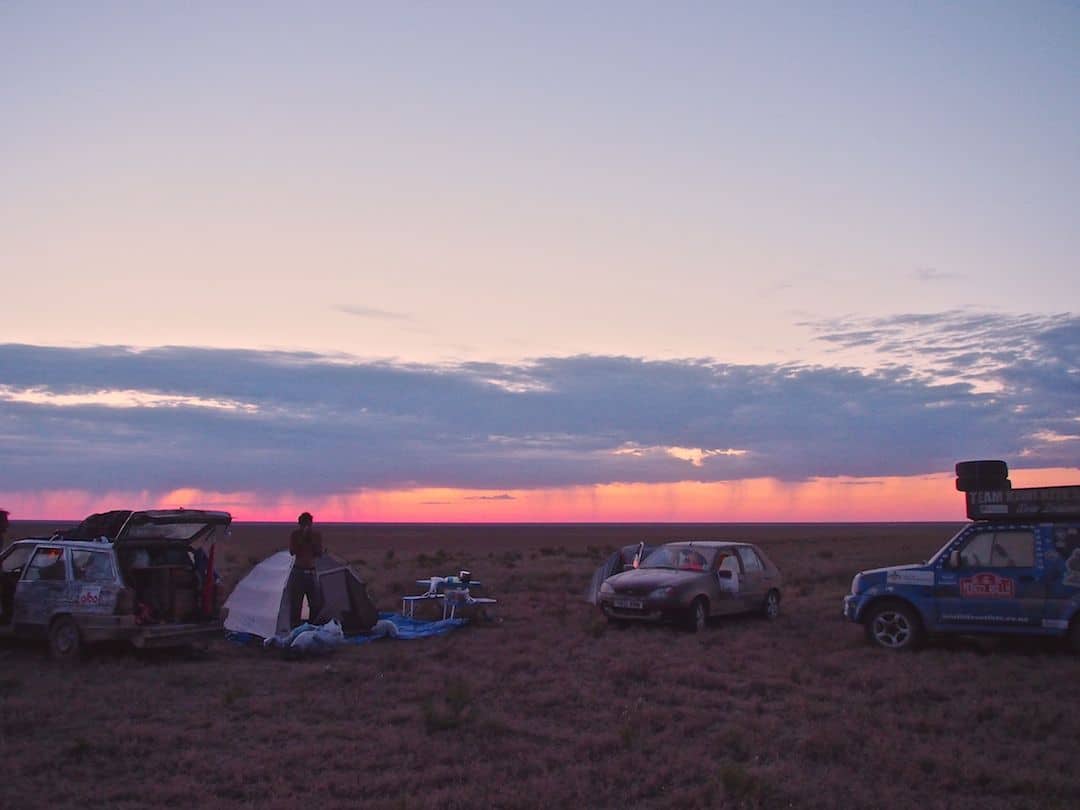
(394, 625)
(390, 625)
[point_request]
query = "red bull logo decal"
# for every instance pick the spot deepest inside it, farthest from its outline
(987, 586)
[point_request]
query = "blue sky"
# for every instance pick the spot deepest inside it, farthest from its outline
(759, 227)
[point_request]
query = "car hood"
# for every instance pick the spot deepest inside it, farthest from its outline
(646, 579)
(913, 574)
(891, 569)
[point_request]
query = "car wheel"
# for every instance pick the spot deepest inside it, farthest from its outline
(771, 608)
(894, 626)
(699, 615)
(65, 642)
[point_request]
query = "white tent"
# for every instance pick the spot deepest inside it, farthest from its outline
(260, 602)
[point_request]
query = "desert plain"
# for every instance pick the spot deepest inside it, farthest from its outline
(548, 705)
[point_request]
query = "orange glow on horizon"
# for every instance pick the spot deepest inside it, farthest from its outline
(758, 500)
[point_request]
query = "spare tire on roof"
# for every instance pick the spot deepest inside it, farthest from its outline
(982, 475)
(975, 485)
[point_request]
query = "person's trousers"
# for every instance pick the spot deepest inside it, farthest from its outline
(303, 582)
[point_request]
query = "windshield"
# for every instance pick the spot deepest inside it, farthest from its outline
(944, 548)
(681, 558)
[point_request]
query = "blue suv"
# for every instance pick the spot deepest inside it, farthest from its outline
(1014, 570)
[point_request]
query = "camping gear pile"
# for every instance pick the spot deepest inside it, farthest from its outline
(309, 639)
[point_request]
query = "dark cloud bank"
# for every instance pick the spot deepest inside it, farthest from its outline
(314, 424)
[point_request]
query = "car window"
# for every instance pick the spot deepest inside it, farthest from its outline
(91, 566)
(47, 565)
(16, 559)
(728, 562)
(1013, 549)
(692, 560)
(749, 559)
(1067, 543)
(1004, 549)
(1067, 540)
(976, 551)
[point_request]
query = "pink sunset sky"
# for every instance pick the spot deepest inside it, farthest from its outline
(916, 498)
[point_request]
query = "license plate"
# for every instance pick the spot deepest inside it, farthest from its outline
(632, 604)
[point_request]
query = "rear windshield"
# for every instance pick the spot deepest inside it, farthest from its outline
(164, 531)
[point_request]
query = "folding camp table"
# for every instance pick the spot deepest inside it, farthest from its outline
(460, 597)
(452, 594)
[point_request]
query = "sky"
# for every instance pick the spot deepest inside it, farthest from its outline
(536, 262)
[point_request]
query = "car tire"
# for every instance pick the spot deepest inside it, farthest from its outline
(698, 618)
(982, 484)
(65, 641)
(972, 476)
(770, 609)
(894, 626)
(983, 468)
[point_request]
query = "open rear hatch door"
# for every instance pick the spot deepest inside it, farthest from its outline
(187, 526)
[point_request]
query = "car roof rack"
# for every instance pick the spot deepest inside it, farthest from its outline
(1027, 504)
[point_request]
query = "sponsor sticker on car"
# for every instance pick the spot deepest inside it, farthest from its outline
(987, 586)
(910, 578)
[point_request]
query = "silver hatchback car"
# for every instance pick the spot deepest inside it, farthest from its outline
(142, 577)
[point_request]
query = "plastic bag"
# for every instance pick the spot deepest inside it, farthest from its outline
(328, 635)
(310, 639)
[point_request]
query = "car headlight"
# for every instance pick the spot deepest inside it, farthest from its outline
(662, 593)
(856, 583)
(606, 590)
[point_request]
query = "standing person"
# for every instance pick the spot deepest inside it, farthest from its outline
(3, 526)
(305, 544)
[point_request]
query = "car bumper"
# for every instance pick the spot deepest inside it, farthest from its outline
(124, 628)
(852, 607)
(649, 611)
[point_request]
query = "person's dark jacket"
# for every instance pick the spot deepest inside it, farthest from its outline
(306, 545)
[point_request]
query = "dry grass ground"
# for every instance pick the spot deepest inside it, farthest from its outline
(551, 707)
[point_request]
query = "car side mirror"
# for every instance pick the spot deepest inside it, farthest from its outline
(954, 559)
(724, 573)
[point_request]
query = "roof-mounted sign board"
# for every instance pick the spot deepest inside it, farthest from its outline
(1030, 503)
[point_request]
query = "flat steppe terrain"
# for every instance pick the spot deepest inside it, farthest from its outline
(549, 706)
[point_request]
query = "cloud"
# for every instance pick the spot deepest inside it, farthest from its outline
(376, 314)
(951, 386)
(503, 497)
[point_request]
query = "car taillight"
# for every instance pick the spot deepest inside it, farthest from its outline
(125, 601)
